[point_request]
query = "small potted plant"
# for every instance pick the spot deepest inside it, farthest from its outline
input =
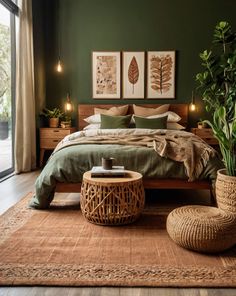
(201, 124)
(53, 115)
(66, 121)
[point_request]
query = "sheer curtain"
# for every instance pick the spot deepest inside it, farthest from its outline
(25, 142)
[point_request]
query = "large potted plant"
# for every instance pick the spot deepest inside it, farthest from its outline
(53, 115)
(217, 86)
(4, 121)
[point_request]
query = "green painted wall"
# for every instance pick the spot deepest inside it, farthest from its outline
(90, 25)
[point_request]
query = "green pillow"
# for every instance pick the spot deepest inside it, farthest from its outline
(108, 121)
(152, 123)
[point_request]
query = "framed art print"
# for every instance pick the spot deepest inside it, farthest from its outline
(133, 74)
(106, 74)
(161, 74)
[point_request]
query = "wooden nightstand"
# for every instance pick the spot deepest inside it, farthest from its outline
(50, 137)
(206, 134)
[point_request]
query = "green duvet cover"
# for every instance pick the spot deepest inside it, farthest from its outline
(69, 164)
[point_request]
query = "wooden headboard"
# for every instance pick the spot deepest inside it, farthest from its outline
(85, 110)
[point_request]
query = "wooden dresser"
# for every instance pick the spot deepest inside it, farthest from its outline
(206, 134)
(50, 137)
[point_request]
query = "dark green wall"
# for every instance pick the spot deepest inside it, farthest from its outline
(90, 25)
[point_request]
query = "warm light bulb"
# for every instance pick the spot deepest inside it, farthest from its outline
(68, 107)
(192, 107)
(59, 66)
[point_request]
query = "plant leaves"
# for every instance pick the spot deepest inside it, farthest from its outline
(133, 72)
(161, 67)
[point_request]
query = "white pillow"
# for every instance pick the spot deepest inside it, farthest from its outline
(172, 116)
(174, 126)
(170, 125)
(96, 118)
(92, 126)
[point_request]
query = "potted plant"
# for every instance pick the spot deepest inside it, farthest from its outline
(66, 121)
(217, 86)
(53, 115)
(201, 124)
(4, 121)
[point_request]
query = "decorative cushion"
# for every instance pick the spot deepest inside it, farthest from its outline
(152, 123)
(115, 111)
(144, 111)
(96, 118)
(110, 122)
(92, 126)
(172, 116)
(174, 126)
(202, 228)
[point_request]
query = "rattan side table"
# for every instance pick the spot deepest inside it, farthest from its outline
(112, 200)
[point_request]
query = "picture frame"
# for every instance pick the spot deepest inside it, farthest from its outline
(133, 74)
(161, 64)
(106, 74)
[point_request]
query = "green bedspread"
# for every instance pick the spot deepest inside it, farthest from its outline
(69, 164)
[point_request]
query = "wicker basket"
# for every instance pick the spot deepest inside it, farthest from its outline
(202, 228)
(112, 201)
(226, 191)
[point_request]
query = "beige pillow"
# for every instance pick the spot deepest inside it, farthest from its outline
(145, 111)
(175, 126)
(114, 111)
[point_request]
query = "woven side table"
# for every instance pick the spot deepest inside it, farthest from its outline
(112, 201)
(202, 228)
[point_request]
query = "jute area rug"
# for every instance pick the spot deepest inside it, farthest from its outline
(59, 247)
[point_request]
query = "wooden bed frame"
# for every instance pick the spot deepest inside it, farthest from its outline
(85, 110)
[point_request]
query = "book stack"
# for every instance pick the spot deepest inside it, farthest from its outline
(116, 171)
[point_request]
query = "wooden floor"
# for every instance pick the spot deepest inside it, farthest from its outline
(14, 188)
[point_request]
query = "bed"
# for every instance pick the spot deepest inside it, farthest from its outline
(59, 182)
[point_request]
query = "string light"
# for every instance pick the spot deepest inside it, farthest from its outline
(192, 106)
(68, 104)
(59, 66)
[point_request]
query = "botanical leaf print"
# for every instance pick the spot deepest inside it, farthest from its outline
(161, 68)
(106, 75)
(133, 72)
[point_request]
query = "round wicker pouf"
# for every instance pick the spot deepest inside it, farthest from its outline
(112, 201)
(202, 228)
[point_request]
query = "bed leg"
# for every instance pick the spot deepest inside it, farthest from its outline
(213, 198)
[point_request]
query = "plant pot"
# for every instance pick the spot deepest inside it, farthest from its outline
(3, 130)
(53, 122)
(66, 124)
(226, 191)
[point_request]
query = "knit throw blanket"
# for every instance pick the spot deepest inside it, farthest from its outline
(189, 149)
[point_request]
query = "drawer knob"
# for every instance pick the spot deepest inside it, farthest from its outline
(55, 131)
(56, 141)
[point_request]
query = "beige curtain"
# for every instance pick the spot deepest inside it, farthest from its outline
(25, 142)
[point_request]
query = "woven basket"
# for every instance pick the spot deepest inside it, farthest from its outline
(202, 228)
(226, 191)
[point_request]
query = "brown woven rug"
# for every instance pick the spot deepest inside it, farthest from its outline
(58, 247)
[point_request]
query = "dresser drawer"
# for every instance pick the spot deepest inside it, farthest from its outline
(211, 141)
(49, 143)
(54, 133)
(50, 137)
(206, 134)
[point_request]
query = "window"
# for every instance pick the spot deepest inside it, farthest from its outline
(7, 85)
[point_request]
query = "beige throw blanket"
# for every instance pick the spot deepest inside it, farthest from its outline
(189, 149)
